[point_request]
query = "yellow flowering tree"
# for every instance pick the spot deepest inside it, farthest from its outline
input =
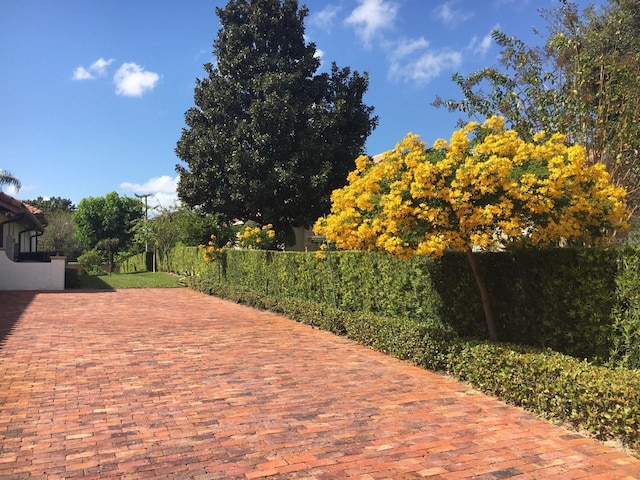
(484, 189)
(256, 237)
(211, 252)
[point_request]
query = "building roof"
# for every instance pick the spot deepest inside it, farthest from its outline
(32, 209)
(24, 214)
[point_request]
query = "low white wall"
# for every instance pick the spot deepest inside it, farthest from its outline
(31, 275)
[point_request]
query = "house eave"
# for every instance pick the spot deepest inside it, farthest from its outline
(17, 212)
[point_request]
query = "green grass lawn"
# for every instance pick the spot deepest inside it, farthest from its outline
(129, 280)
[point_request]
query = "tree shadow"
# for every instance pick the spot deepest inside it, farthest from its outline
(12, 305)
(92, 282)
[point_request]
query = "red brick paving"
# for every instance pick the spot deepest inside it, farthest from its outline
(135, 384)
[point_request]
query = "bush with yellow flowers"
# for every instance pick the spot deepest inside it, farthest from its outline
(211, 252)
(483, 190)
(256, 237)
(481, 193)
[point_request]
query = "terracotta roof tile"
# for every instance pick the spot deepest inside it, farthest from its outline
(32, 209)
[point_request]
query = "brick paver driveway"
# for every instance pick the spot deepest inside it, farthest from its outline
(175, 384)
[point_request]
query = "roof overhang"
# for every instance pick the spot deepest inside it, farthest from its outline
(25, 215)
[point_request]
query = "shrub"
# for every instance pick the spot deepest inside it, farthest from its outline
(603, 401)
(91, 261)
(582, 302)
(311, 313)
(141, 262)
(252, 236)
(424, 343)
(625, 344)
(557, 298)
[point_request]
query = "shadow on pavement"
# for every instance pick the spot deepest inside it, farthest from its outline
(92, 282)
(12, 305)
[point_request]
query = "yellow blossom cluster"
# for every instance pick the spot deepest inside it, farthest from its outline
(211, 252)
(256, 237)
(484, 189)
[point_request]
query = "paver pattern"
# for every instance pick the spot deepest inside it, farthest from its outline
(134, 384)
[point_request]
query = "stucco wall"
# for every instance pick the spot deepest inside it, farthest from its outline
(31, 275)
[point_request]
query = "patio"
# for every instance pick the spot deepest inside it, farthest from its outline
(171, 383)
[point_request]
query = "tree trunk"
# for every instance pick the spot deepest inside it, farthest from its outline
(484, 295)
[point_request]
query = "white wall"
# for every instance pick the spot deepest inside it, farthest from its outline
(31, 275)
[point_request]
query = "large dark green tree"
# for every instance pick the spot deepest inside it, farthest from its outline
(581, 80)
(108, 217)
(270, 138)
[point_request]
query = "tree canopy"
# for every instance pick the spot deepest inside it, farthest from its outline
(188, 226)
(60, 231)
(582, 81)
(7, 178)
(60, 235)
(111, 216)
(52, 204)
(269, 138)
(485, 193)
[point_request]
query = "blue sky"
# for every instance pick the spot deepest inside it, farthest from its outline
(93, 92)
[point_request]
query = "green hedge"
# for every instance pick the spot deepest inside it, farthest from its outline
(582, 302)
(605, 402)
(425, 343)
(559, 298)
(625, 341)
(143, 262)
(351, 281)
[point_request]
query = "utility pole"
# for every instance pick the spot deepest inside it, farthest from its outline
(146, 227)
(146, 219)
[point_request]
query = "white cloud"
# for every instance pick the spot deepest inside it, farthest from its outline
(412, 61)
(163, 190)
(97, 68)
(161, 200)
(82, 73)
(164, 184)
(407, 47)
(325, 18)
(371, 16)
(12, 190)
(450, 15)
(132, 80)
(482, 46)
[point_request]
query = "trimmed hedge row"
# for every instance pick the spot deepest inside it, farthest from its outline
(424, 343)
(582, 302)
(142, 262)
(311, 313)
(625, 339)
(602, 401)
(586, 302)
